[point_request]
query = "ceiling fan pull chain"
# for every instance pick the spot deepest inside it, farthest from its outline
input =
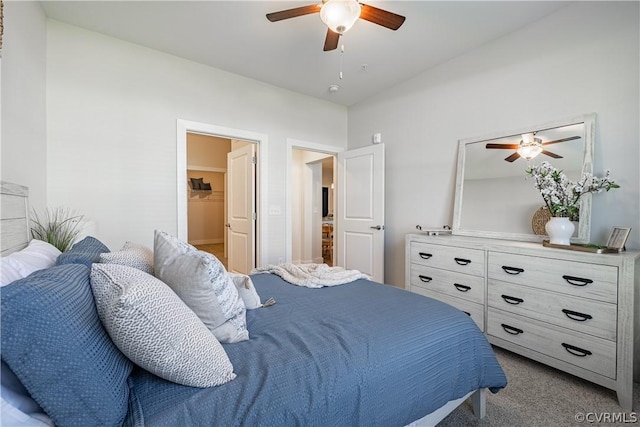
(341, 53)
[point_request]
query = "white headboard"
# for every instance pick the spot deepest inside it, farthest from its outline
(14, 217)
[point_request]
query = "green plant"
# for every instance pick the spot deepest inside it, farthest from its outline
(57, 226)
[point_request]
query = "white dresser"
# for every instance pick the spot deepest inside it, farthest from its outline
(575, 311)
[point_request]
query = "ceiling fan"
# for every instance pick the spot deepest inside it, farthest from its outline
(530, 146)
(339, 16)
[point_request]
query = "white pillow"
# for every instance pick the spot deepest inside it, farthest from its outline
(246, 290)
(202, 282)
(149, 323)
(17, 406)
(36, 256)
(132, 254)
(14, 417)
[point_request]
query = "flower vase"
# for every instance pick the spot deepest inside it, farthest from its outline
(560, 230)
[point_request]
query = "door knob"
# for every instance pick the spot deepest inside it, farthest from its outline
(378, 227)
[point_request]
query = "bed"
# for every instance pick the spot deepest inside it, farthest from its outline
(361, 353)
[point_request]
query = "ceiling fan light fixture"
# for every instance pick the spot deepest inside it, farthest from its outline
(530, 146)
(340, 15)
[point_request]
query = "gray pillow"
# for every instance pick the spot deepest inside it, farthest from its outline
(149, 323)
(132, 254)
(202, 282)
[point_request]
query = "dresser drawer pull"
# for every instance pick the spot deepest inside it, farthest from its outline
(462, 261)
(462, 288)
(577, 281)
(511, 330)
(512, 300)
(424, 255)
(425, 279)
(575, 315)
(512, 270)
(576, 351)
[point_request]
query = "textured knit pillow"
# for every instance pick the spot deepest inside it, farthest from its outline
(155, 329)
(202, 282)
(54, 342)
(86, 251)
(246, 290)
(132, 254)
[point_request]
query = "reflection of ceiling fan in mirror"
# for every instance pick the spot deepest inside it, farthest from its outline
(530, 146)
(339, 16)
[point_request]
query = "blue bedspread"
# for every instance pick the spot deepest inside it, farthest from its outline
(360, 354)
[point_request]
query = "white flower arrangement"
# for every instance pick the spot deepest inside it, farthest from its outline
(561, 195)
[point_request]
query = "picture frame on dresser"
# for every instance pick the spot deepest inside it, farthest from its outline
(618, 237)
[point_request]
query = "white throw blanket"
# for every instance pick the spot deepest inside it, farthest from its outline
(312, 275)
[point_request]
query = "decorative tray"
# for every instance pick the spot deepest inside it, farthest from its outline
(582, 248)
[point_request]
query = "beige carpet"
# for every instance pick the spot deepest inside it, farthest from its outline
(537, 395)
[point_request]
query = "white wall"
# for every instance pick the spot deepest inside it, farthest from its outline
(582, 59)
(112, 108)
(24, 124)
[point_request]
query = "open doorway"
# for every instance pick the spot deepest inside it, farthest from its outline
(207, 193)
(244, 231)
(312, 206)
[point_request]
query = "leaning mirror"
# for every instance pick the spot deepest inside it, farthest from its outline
(494, 195)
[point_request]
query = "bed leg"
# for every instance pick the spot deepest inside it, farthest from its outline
(479, 402)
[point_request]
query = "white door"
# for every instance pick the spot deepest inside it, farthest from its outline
(359, 237)
(241, 209)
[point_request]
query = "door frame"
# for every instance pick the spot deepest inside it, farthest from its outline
(308, 146)
(261, 139)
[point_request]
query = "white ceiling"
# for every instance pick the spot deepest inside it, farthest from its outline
(235, 36)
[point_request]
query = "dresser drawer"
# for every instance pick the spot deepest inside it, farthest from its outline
(475, 311)
(459, 285)
(586, 351)
(468, 261)
(579, 314)
(598, 282)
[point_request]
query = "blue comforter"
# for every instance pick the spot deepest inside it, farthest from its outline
(360, 354)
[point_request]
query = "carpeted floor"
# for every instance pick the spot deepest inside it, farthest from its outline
(538, 395)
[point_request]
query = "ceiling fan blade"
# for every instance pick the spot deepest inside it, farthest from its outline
(387, 19)
(561, 140)
(550, 154)
(505, 146)
(331, 41)
(293, 13)
(512, 157)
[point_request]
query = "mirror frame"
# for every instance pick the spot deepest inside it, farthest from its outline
(584, 224)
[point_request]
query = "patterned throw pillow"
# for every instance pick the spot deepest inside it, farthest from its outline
(54, 342)
(132, 254)
(149, 323)
(202, 282)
